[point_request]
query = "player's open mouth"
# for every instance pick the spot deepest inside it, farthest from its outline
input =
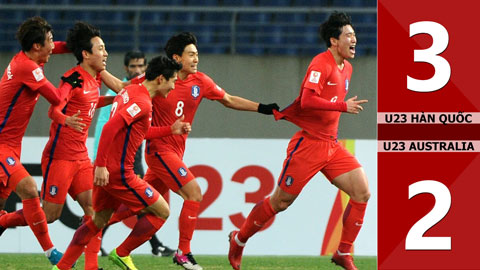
(352, 49)
(104, 62)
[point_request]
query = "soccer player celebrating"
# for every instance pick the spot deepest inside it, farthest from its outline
(164, 156)
(315, 148)
(66, 166)
(20, 86)
(135, 64)
(115, 181)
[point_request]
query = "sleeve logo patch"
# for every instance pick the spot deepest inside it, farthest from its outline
(9, 73)
(133, 110)
(314, 76)
(38, 74)
(125, 96)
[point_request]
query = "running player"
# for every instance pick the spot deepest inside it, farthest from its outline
(65, 164)
(164, 156)
(135, 64)
(315, 148)
(115, 181)
(20, 87)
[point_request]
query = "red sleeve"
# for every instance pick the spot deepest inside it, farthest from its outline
(55, 112)
(104, 101)
(156, 132)
(316, 77)
(139, 79)
(311, 100)
(133, 111)
(109, 131)
(54, 95)
(32, 75)
(213, 91)
(60, 47)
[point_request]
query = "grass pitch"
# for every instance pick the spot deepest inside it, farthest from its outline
(148, 262)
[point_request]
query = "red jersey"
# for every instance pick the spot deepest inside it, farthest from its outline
(183, 100)
(18, 97)
(133, 103)
(66, 143)
(330, 83)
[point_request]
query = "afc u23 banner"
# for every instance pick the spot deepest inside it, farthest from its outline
(428, 134)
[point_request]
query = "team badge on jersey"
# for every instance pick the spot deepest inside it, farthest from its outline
(289, 181)
(53, 190)
(38, 74)
(133, 110)
(10, 161)
(182, 172)
(195, 91)
(314, 76)
(149, 192)
(347, 83)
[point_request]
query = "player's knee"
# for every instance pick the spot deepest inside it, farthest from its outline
(51, 217)
(366, 196)
(280, 205)
(100, 222)
(284, 205)
(194, 196)
(28, 191)
(164, 213)
(363, 196)
(198, 197)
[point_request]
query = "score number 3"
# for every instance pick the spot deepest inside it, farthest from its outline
(443, 201)
(442, 68)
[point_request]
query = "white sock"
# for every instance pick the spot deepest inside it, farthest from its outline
(49, 251)
(238, 241)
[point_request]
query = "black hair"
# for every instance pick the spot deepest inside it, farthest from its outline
(177, 43)
(162, 65)
(79, 39)
(133, 55)
(33, 30)
(333, 26)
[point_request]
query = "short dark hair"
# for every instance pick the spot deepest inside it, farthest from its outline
(161, 65)
(177, 43)
(79, 39)
(333, 26)
(133, 55)
(33, 30)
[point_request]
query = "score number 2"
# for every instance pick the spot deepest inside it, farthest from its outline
(443, 200)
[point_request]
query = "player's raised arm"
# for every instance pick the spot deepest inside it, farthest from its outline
(105, 101)
(54, 95)
(60, 47)
(116, 84)
(243, 104)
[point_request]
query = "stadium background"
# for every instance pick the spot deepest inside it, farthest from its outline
(257, 49)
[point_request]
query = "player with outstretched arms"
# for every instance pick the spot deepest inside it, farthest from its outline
(164, 156)
(315, 148)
